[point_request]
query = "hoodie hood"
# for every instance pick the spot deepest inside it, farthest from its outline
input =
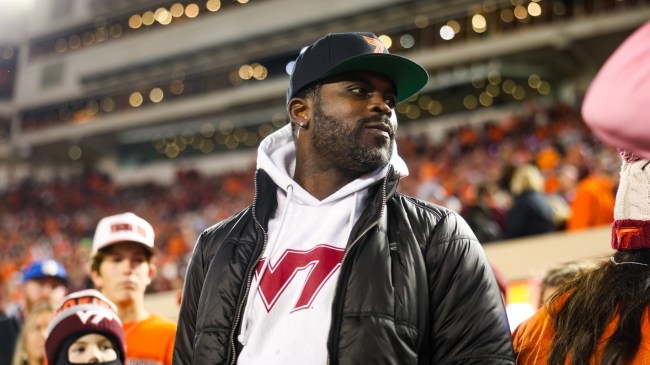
(277, 156)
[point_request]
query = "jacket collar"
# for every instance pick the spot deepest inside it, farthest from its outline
(265, 201)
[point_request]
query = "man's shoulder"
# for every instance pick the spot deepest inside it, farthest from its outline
(160, 323)
(227, 224)
(419, 205)
(233, 219)
(428, 216)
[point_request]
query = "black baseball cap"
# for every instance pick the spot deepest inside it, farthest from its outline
(338, 53)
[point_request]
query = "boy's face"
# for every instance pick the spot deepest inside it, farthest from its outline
(91, 348)
(44, 289)
(124, 273)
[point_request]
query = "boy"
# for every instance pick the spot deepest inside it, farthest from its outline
(122, 269)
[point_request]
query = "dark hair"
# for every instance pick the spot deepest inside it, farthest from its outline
(561, 274)
(596, 298)
(309, 92)
(100, 255)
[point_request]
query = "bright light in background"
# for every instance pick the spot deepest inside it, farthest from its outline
(289, 67)
(534, 9)
(386, 40)
(454, 25)
(447, 33)
(517, 313)
(407, 41)
(74, 152)
(479, 24)
(520, 296)
(521, 12)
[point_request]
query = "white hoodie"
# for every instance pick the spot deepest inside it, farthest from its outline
(287, 317)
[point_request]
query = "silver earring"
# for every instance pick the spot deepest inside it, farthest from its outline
(302, 124)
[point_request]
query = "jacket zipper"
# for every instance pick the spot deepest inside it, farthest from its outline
(337, 297)
(249, 279)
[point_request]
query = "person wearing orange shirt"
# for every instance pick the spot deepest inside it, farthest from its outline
(122, 268)
(593, 203)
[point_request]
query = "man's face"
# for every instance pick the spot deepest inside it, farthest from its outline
(352, 127)
(124, 273)
(44, 289)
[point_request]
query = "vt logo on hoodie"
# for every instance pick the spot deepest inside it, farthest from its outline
(320, 261)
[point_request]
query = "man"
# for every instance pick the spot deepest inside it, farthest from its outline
(122, 268)
(330, 264)
(43, 281)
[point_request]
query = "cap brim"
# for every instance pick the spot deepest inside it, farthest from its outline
(106, 246)
(56, 277)
(407, 76)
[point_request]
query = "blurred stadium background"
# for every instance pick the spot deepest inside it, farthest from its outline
(157, 107)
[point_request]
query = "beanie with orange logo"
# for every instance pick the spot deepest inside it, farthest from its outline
(631, 229)
(81, 313)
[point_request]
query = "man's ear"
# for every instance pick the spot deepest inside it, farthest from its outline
(299, 111)
(152, 272)
(98, 282)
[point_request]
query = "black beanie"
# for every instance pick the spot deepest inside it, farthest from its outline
(62, 357)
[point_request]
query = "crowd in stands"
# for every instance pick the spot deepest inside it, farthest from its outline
(469, 171)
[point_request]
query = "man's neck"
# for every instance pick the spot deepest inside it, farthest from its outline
(320, 179)
(132, 312)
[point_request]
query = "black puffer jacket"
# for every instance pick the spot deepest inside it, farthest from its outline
(414, 287)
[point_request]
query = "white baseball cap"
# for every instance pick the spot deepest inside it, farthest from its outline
(125, 227)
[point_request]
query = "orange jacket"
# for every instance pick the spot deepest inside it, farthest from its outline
(532, 339)
(593, 204)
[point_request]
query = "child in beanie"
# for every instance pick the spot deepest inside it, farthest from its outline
(85, 329)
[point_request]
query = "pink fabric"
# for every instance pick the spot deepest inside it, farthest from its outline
(617, 104)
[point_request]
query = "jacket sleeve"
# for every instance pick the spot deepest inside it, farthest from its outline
(616, 104)
(184, 343)
(468, 320)
(532, 339)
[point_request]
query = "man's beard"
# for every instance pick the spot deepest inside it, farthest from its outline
(344, 147)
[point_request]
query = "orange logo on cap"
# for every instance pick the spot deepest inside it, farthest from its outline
(379, 47)
(624, 235)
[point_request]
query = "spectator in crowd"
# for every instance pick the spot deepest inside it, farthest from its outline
(43, 281)
(562, 193)
(482, 217)
(86, 330)
(122, 268)
(396, 279)
(603, 315)
(593, 201)
(530, 213)
(30, 347)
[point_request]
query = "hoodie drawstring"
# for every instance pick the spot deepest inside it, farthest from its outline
(243, 334)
